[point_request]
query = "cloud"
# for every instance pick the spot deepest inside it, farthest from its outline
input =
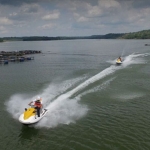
(2, 29)
(94, 11)
(25, 12)
(73, 17)
(82, 19)
(104, 7)
(5, 21)
(32, 8)
(140, 4)
(108, 3)
(48, 26)
(19, 2)
(50, 16)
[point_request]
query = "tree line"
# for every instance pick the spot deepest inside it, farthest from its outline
(145, 34)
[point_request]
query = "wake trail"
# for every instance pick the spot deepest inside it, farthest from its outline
(62, 108)
(128, 60)
(91, 80)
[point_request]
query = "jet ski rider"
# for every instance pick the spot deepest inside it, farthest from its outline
(120, 59)
(37, 104)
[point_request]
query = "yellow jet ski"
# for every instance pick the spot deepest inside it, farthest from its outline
(30, 116)
(118, 61)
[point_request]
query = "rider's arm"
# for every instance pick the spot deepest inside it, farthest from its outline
(30, 103)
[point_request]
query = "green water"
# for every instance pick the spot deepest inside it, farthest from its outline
(93, 104)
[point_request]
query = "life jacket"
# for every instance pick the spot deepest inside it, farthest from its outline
(37, 104)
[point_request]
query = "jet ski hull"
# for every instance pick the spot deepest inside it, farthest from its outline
(118, 62)
(33, 118)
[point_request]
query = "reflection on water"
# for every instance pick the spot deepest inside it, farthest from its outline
(27, 132)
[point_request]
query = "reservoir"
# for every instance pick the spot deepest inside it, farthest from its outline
(93, 103)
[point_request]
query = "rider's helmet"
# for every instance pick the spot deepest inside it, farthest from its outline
(38, 98)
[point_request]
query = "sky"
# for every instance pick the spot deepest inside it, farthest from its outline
(72, 17)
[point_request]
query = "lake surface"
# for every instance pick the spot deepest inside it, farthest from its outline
(93, 104)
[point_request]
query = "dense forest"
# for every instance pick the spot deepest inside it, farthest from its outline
(1, 40)
(145, 34)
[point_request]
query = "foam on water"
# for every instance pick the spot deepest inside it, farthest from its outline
(98, 88)
(123, 97)
(65, 112)
(62, 109)
(17, 102)
(134, 59)
(57, 88)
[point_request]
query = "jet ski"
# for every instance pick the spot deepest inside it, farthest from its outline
(118, 62)
(30, 115)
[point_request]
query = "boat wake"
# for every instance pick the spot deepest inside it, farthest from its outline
(63, 104)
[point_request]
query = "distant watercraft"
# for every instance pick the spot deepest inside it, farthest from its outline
(118, 61)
